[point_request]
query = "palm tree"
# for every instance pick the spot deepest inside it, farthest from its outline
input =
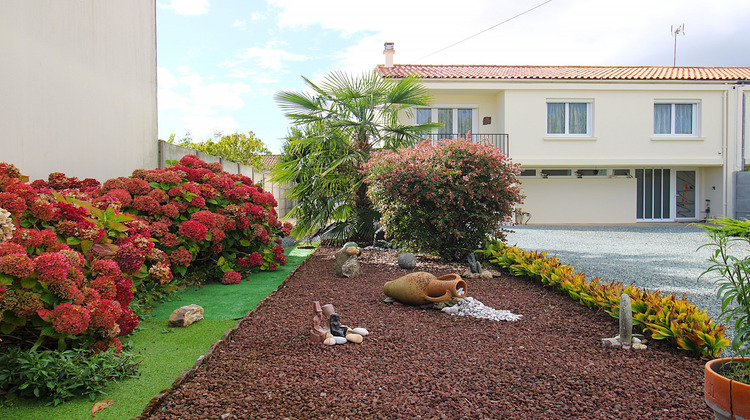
(335, 126)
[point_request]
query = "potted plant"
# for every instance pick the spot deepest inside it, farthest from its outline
(727, 380)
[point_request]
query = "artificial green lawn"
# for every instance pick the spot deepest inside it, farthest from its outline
(166, 352)
(220, 301)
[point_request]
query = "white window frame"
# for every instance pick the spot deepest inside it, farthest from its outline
(455, 108)
(696, 117)
(589, 117)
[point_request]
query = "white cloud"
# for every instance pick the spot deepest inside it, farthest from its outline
(203, 127)
(586, 32)
(187, 7)
(269, 58)
(203, 107)
(239, 24)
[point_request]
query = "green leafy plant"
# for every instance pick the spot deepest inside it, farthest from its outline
(443, 198)
(58, 376)
(336, 124)
(662, 317)
(732, 276)
(238, 147)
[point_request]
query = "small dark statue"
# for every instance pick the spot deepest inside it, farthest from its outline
(474, 265)
(337, 329)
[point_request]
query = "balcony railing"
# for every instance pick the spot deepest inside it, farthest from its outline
(498, 140)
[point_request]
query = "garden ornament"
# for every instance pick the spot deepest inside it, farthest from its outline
(474, 265)
(337, 329)
(318, 332)
(423, 288)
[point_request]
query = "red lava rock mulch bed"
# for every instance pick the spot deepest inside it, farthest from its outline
(422, 363)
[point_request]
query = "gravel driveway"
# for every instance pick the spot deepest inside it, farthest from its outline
(661, 257)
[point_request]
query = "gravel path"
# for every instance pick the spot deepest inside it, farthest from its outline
(423, 363)
(663, 257)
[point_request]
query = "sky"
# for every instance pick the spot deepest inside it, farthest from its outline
(220, 62)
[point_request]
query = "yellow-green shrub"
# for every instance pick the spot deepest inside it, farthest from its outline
(662, 317)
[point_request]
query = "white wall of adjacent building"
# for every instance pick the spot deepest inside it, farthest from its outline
(78, 87)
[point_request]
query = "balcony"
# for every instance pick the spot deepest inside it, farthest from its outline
(498, 140)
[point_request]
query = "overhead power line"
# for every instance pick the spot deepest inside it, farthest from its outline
(481, 32)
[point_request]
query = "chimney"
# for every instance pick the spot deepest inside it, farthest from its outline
(388, 51)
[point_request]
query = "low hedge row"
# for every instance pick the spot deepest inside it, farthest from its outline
(662, 317)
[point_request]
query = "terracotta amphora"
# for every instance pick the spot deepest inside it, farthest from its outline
(422, 288)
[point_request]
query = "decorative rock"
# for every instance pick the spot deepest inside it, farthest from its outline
(329, 335)
(474, 265)
(389, 300)
(354, 338)
(340, 340)
(361, 331)
(186, 315)
(472, 307)
(347, 263)
(486, 274)
(330, 341)
(351, 268)
(407, 261)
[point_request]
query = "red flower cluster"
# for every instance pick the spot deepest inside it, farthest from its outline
(193, 230)
(104, 313)
(69, 319)
(231, 277)
(51, 267)
(16, 265)
(181, 256)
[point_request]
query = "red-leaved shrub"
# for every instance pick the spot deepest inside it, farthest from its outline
(445, 198)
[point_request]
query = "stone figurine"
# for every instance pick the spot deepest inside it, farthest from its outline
(318, 331)
(337, 329)
(474, 265)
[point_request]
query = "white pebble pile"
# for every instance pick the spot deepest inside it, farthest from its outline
(472, 307)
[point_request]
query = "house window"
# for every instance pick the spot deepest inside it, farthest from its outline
(569, 118)
(621, 172)
(675, 119)
(528, 172)
(591, 172)
(455, 120)
(555, 172)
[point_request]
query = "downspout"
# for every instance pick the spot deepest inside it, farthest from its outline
(724, 140)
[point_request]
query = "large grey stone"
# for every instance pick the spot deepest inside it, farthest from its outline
(407, 261)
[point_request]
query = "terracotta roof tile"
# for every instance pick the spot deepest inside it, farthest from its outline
(269, 161)
(566, 72)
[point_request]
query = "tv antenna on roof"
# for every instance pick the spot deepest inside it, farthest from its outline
(676, 30)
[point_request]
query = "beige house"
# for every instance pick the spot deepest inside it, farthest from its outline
(601, 144)
(78, 87)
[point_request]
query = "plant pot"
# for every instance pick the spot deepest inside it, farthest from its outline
(729, 399)
(422, 288)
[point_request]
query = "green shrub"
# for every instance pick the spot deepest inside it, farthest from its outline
(58, 376)
(444, 199)
(662, 317)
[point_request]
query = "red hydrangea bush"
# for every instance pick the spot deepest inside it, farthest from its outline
(444, 199)
(202, 219)
(60, 281)
(73, 253)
